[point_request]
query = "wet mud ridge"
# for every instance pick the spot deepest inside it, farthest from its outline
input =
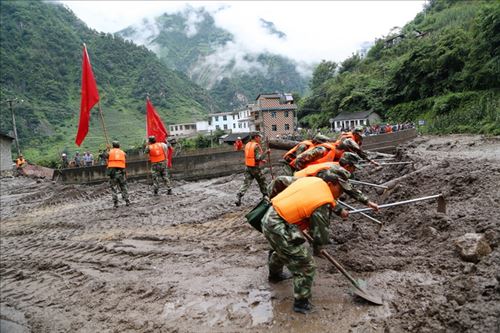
(188, 262)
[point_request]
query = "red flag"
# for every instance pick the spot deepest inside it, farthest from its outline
(89, 97)
(154, 125)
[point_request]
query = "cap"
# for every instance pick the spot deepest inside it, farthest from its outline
(358, 129)
(351, 158)
(239, 138)
(321, 138)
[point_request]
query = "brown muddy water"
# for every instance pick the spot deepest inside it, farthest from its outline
(190, 263)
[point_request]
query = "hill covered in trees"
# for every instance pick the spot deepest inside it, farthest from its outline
(189, 41)
(443, 67)
(40, 61)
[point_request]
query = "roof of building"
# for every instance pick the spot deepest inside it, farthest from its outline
(353, 115)
(5, 135)
(233, 136)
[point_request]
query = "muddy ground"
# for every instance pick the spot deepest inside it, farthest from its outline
(190, 263)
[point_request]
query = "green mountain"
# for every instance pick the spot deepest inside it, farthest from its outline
(190, 42)
(442, 67)
(40, 61)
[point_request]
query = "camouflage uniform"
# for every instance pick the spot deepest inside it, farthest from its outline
(342, 176)
(310, 156)
(159, 170)
(118, 183)
(289, 244)
(252, 173)
(288, 170)
(348, 144)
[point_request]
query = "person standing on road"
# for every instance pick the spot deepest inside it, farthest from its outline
(254, 156)
(64, 161)
(238, 144)
(88, 159)
(304, 203)
(78, 160)
(117, 175)
(158, 156)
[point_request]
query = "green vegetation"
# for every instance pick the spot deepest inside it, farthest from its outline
(40, 60)
(442, 67)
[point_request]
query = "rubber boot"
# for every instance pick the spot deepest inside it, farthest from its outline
(302, 306)
(238, 200)
(276, 278)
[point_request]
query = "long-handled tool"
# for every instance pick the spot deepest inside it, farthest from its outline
(357, 284)
(368, 184)
(380, 224)
(391, 163)
(441, 204)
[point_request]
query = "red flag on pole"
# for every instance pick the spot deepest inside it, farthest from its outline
(154, 126)
(89, 97)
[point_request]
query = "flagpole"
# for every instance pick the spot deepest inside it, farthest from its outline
(102, 123)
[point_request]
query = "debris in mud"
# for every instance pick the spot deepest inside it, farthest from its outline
(472, 247)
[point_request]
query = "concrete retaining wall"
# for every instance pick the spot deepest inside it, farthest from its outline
(211, 163)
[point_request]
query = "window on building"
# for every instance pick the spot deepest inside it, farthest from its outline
(286, 114)
(274, 128)
(224, 117)
(273, 114)
(216, 118)
(225, 126)
(239, 125)
(217, 127)
(234, 125)
(209, 123)
(287, 127)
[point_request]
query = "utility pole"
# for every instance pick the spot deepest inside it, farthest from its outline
(11, 101)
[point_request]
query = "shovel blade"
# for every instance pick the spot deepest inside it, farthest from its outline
(441, 205)
(360, 290)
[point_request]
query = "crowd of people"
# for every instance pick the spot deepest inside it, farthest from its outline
(387, 128)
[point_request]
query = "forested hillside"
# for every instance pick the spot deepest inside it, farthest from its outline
(40, 60)
(443, 67)
(190, 42)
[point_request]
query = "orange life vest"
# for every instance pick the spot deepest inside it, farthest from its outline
(116, 158)
(250, 153)
(291, 154)
(20, 162)
(350, 135)
(312, 171)
(156, 153)
(329, 156)
(299, 200)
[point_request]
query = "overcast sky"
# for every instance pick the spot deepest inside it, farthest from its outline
(316, 30)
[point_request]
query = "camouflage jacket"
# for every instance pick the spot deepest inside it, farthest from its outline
(350, 145)
(310, 156)
(341, 175)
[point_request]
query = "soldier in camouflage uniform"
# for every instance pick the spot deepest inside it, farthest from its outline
(291, 155)
(290, 195)
(116, 172)
(254, 156)
(351, 142)
(158, 155)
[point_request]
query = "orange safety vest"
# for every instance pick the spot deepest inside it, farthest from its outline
(312, 171)
(291, 154)
(350, 135)
(299, 200)
(20, 162)
(329, 156)
(116, 158)
(250, 153)
(156, 153)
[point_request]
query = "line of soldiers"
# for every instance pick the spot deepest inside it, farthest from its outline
(321, 170)
(158, 157)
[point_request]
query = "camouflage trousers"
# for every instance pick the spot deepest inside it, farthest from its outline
(287, 170)
(159, 171)
(252, 173)
(118, 183)
(289, 250)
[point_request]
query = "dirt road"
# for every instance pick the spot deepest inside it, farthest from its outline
(190, 263)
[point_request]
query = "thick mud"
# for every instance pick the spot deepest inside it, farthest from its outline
(189, 262)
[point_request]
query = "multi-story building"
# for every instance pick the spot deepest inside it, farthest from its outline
(274, 114)
(186, 129)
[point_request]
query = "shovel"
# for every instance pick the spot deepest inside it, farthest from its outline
(368, 184)
(441, 204)
(380, 224)
(358, 285)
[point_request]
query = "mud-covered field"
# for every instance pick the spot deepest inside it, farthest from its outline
(190, 263)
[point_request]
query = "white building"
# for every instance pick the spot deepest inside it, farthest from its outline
(349, 120)
(186, 129)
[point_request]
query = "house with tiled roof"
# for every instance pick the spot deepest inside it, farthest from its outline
(274, 114)
(348, 120)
